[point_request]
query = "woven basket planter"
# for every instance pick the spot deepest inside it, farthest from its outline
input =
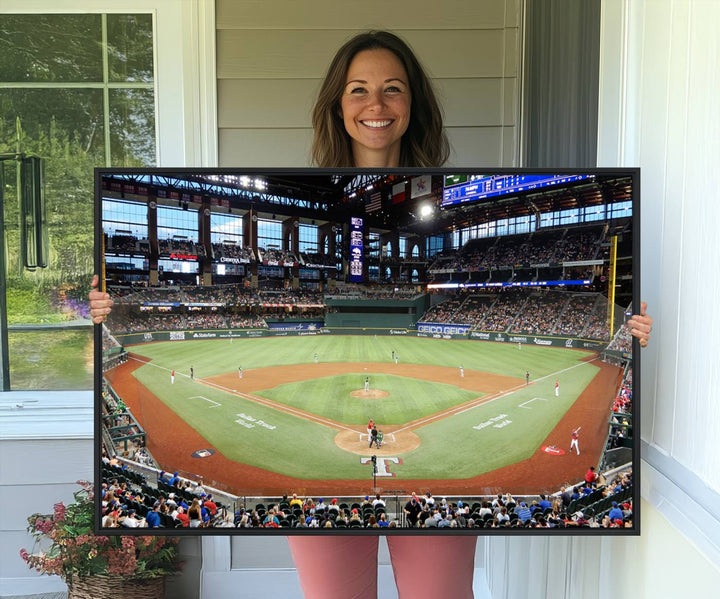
(117, 587)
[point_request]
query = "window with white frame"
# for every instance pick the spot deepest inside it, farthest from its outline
(77, 91)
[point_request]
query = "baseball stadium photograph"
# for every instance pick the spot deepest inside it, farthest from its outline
(295, 349)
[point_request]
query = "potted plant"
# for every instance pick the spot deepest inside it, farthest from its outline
(98, 566)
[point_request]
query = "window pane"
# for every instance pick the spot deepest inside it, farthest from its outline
(66, 127)
(125, 216)
(132, 127)
(63, 124)
(130, 48)
(226, 228)
(53, 359)
(176, 222)
(38, 48)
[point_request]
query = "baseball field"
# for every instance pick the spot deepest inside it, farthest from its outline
(292, 422)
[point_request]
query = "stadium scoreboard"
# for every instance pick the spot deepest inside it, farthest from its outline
(460, 189)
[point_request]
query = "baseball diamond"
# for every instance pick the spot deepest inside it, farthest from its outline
(292, 423)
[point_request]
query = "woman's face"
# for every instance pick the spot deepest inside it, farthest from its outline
(375, 107)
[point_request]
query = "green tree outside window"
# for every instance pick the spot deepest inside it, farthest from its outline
(78, 91)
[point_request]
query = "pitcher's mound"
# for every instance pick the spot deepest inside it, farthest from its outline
(370, 394)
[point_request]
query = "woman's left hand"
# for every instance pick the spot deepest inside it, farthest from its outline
(640, 325)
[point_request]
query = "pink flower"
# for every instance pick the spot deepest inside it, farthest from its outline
(121, 562)
(25, 555)
(59, 512)
(43, 526)
(128, 543)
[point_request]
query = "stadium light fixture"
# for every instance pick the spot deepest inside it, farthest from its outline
(426, 210)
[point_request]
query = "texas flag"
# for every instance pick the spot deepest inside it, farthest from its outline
(420, 186)
(398, 193)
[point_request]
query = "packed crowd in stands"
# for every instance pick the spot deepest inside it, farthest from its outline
(621, 418)
(178, 502)
(226, 295)
(292, 297)
(475, 307)
(144, 322)
(506, 251)
(541, 247)
(501, 313)
(374, 292)
(539, 313)
(448, 311)
(597, 327)
(109, 342)
(123, 243)
(180, 246)
(622, 341)
(546, 247)
(623, 400)
(245, 321)
(125, 323)
(574, 319)
(515, 311)
(205, 321)
(232, 250)
(271, 255)
(307, 258)
(150, 294)
(579, 244)
(129, 501)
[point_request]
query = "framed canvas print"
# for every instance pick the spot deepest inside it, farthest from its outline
(308, 351)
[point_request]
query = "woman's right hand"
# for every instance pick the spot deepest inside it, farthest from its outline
(100, 302)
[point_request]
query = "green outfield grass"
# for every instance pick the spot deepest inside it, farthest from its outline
(463, 445)
(210, 357)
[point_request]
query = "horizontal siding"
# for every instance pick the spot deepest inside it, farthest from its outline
(258, 54)
(475, 146)
(36, 498)
(260, 103)
(263, 103)
(271, 58)
(45, 462)
(375, 14)
(34, 475)
(264, 147)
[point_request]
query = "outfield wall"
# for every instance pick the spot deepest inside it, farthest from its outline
(433, 331)
(380, 313)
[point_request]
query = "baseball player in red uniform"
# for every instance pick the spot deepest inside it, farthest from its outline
(172, 377)
(557, 388)
(369, 428)
(574, 440)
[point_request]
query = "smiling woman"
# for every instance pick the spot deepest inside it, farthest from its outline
(377, 107)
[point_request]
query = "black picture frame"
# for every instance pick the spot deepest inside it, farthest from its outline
(602, 187)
